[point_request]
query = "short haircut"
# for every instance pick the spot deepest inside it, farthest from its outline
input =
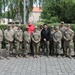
(44, 24)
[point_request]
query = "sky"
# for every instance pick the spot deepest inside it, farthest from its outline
(35, 4)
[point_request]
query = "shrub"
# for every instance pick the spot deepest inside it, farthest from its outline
(54, 20)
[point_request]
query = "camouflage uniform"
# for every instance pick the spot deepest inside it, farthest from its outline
(18, 41)
(74, 43)
(51, 40)
(62, 29)
(1, 38)
(14, 29)
(27, 40)
(69, 34)
(8, 34)
(36, 41)
(57, 41)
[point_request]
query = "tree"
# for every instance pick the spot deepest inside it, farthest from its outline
(0, 8)
(16, 6)
(62, 9)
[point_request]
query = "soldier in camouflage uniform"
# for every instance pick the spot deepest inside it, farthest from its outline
(57, 41)
(27, 40)
(62, 29)
(8, 34)
(74, 44)
(14, 29)
(69, 34)
(36, 41)
(1, 38)
(51, 40)
(18, 41)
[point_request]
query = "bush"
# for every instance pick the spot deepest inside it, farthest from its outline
(73, 21)
(46, 21)
(54, 20)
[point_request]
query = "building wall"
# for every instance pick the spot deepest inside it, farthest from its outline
(34, 16)
(5, 21)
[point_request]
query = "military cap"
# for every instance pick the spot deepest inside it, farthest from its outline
(16, 22)
(19, 25)
(8, 25)
(36, 27)
(41, 25)
(68, 25)
(52, 26)
(62, 22)
(57, 27)
(26, 27)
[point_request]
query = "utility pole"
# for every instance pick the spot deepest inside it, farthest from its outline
(24, 11)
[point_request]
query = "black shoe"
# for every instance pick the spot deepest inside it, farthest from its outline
(47, 56)
(70, 57)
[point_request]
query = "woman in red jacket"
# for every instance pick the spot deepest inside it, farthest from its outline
(31, 27)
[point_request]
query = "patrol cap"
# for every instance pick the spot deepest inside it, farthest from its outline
(52, 26)
(57, 27)
(36, 27)
(41, 25)
(68, 25)
(16, 22)
(26, 27)
(19, 25)
(13, 22)
(8, 25)
(62, 22)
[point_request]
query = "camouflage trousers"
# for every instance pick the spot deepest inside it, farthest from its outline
(27, 48)
(57, 48)
(74, 48)
(45, 47)
(0, 47)
(18, 48)
(67, 45)
(9, 48)
(36, 48)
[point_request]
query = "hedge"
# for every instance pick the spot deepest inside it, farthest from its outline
(3, 27)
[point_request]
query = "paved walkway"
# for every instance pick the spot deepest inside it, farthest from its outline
(37, 66)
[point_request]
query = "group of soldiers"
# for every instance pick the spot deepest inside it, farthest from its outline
(43, 41)
(60, 40)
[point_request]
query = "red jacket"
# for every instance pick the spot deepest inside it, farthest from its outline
(31, 28)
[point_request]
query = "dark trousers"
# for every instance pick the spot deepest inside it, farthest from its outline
(31, 48)
(45, 47)
(40, 48)
(62, 45)
(51, 47)
(74, 48)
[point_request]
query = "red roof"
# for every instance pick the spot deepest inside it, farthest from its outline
(36, 9)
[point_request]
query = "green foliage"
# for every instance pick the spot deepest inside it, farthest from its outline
(46, 21)
(63, 9)
(14, 7)
(54, 19)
